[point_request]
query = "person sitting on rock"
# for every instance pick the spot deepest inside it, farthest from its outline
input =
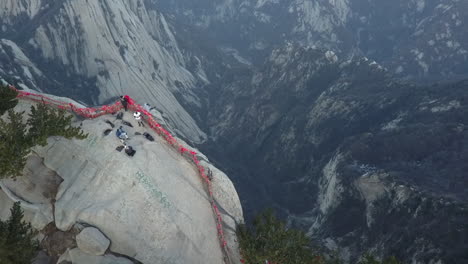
(121, 133)
(137, 116)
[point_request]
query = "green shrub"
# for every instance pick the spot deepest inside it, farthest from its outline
(17, 243)
(46, 122)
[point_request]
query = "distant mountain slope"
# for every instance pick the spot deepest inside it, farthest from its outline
(97, 50)
(362, 162)
(417, 38)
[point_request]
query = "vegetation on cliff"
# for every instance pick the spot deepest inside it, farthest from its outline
(17, 137)
(17, 243)
(269, 240)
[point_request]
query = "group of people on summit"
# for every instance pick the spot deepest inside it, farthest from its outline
(121, 134)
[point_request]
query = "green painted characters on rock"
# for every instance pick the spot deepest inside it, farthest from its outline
(92, 140)
(153, 189)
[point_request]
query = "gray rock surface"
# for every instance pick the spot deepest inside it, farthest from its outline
(36, 189)
(228, 206)
(134, 201)
(92, 241)
(39, 215)
(76, 256)
(153, 206)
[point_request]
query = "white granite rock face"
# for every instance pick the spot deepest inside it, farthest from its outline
(76, 256)
(127, 47)
(153, 207)
(35, 190)
(92, 241)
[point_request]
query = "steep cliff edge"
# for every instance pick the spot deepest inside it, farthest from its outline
(153, 206)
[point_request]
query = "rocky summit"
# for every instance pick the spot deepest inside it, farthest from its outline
(151, 208)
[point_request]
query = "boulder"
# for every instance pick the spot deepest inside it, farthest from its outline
(91, 241)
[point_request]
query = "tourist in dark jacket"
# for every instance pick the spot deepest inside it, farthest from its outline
(124, 102)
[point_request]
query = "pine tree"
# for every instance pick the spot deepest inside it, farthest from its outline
(46, 122)
(17, 243)
(14, 145)
(270, 239)
(7, 99)
(17, 138)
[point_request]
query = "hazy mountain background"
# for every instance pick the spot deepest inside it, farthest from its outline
(347, 116)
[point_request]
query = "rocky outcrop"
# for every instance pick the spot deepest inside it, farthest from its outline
(153, 207)
(91, 241)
